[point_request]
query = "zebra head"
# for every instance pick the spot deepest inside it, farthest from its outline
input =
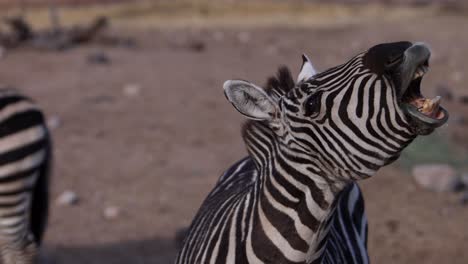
(353, 118)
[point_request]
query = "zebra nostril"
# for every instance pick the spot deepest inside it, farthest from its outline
(426, 63)
(419, 53)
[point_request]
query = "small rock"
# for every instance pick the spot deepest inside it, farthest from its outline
(111, 212)
(196, 45)
(436, 177)
(464, 99)
(68, 197)
(464, 179)
(218, 36)
(444, 91)
(392, 225)
(100, 99)
(458, 120)
(456, 76)
(464, 198)
(128, 43)
(53, 122)
(132, 90)
(244, 37)
(191, 43)
(98, 58)
(2, 52)
(272, 50)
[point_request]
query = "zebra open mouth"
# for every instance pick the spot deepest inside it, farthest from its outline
(423, 111)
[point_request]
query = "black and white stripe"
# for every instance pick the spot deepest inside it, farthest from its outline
(346, 238)
(25, 154)
(294, 200)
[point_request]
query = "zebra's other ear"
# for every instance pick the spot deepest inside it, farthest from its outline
(250, 100)
(307, 69)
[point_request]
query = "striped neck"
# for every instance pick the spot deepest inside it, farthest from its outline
(295, 196)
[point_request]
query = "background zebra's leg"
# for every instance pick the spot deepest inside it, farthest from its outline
(22, 252)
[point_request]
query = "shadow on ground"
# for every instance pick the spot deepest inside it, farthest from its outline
(154, 251)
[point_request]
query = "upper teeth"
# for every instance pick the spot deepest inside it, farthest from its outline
(420, 71)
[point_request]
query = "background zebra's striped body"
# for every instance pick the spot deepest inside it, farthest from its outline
(25, 154)
(294, 200)
(346, 241)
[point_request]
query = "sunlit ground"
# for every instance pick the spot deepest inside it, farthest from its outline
(157, 154)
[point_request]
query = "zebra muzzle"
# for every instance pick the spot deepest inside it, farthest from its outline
(425, 113)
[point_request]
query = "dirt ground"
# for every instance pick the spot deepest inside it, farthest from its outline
(157, 153)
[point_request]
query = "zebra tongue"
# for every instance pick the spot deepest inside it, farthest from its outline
(430, 106)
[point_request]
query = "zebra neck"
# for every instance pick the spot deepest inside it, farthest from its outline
(295, 197)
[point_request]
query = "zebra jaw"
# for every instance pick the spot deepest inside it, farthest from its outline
(425, 112)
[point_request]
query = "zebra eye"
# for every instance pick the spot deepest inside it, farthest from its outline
(313, 104)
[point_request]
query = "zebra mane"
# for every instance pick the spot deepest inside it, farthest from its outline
(280, 84)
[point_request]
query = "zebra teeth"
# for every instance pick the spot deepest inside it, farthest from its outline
(430, 106)
(420, 71)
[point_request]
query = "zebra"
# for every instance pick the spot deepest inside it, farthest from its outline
(25, 159)
(294, 198)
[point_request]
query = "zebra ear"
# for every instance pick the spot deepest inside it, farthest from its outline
(250, 100)
(307, 69)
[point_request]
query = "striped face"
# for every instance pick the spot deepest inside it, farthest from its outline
(353, 118)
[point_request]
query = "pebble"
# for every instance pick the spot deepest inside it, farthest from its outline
(464, 179)
(111, 212)
(464, 99)
(68, 197)
(244, 37)
(98, 58)
(191, 43)
(218, 36)
(436, 177)
(128, 43)
(272, 50)
(100, 99)
(196, 45)
(132, 90)
(54, 122)
(464, 198)
(456, 76)
(392, 225)
(2, 52)
(458, 119)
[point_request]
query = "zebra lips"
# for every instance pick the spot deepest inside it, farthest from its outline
(427, 112)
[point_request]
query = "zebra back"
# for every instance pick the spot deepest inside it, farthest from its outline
(25, 156)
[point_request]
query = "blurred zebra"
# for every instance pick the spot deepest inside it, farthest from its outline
(294, 198)
(25, 156)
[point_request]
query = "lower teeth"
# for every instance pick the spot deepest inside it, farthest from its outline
(430, 106)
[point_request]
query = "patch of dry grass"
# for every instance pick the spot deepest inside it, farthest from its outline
(205, 13)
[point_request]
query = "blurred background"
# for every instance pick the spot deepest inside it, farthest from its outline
(142, 130)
